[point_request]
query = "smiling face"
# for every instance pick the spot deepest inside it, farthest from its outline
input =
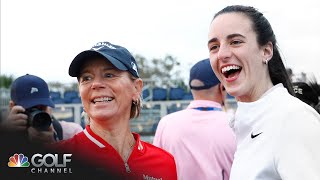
(236, 57)
(106, 92)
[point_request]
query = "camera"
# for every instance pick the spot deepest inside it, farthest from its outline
(38, 119)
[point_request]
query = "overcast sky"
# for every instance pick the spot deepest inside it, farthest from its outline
(41, 37)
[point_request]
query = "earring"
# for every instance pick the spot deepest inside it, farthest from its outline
(135, 102)
(266, 61)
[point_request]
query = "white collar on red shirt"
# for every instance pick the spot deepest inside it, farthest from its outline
(90, 135)
(94, 140)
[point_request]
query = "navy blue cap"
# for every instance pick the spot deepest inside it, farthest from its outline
(119, 56)
(29, 90)
(203, 72)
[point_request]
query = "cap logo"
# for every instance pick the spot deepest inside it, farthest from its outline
(97, 48)
(33, 90)
(101, 45)
(134, 67)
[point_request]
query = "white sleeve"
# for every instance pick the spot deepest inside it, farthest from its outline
(298, 152)
(70, 129)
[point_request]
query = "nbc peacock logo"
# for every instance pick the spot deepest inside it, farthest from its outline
(18, 160)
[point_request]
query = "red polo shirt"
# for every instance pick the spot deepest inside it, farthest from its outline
(145, 162)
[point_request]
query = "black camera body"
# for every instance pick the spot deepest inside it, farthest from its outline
(38, 119)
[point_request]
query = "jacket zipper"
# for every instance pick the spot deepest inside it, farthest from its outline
(127, 167)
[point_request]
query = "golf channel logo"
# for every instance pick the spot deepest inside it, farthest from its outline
(48, 163)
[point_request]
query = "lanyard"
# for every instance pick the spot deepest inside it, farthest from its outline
(207, 109)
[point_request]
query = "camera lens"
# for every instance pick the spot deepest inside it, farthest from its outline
(40, 120)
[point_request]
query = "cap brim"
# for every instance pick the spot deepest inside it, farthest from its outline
(76, 64)
(35, 102)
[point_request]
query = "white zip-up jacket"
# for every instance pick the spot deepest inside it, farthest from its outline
(278, 137)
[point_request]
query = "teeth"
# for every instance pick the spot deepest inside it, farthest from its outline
(102, 99)
(228, 68)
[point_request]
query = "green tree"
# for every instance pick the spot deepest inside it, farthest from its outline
(163, 72)
(55, 86)
(62, 87)
(6, 80)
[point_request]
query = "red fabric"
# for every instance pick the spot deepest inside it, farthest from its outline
(145, 162)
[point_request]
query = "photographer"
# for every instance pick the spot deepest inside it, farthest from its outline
(30, 113)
